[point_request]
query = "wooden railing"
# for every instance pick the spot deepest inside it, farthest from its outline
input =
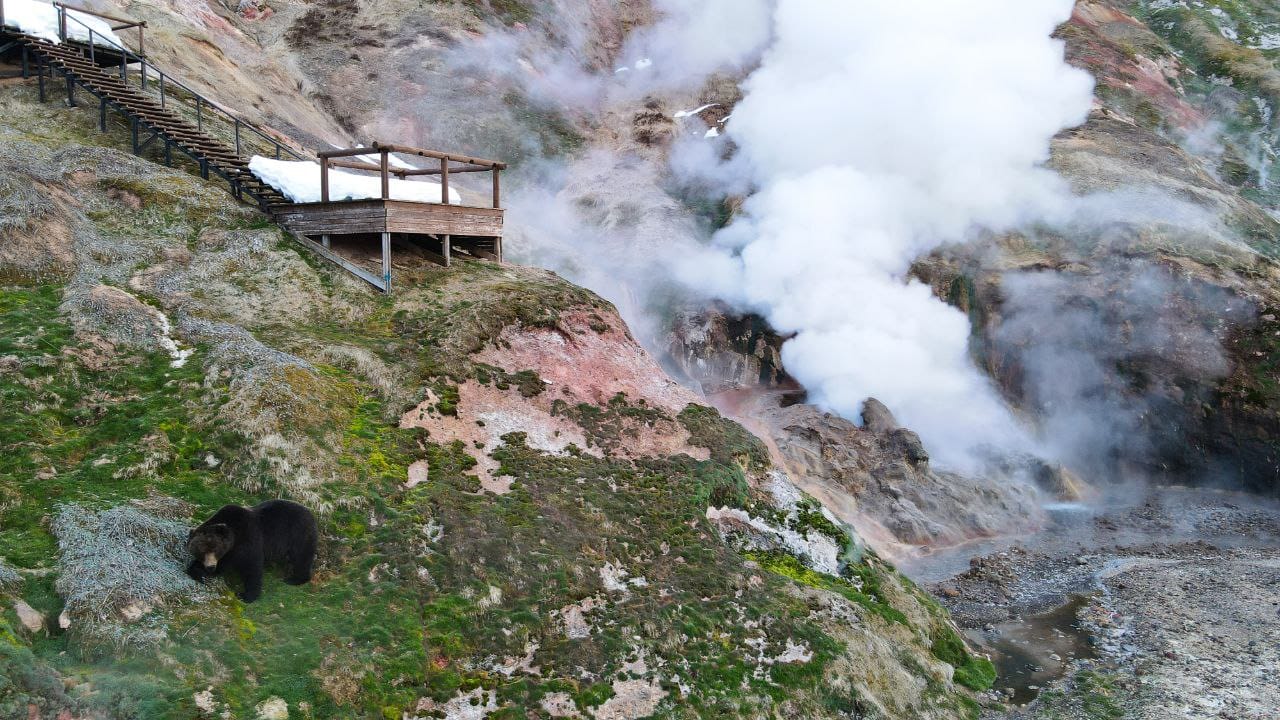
(334, 158)
(243, 134)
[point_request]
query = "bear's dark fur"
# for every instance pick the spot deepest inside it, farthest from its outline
(245, 540)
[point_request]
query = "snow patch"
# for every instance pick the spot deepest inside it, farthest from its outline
(170, 345)
(41, 20)
(300, 182)
(695, 111)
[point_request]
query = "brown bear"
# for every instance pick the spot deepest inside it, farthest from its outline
(246, 540)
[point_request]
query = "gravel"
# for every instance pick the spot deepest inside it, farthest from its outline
(1182, 604)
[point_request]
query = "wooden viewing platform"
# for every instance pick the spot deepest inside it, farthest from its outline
(442, 228)
(172, 120)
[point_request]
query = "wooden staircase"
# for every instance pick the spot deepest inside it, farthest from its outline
(160, 108)
(102, 68)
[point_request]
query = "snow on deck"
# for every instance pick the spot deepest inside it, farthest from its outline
(300, 182)
(41, 20)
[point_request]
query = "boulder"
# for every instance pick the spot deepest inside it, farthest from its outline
(877, 418)
(29, 617)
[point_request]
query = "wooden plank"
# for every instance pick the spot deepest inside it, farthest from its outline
(95, 13)
(444, 181)
(386, 257)
(386, 179)
(405, 150)
(341, 261)
(324, 179)
(376, 216)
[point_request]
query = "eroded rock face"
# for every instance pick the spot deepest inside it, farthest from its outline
(719, 350)
(880, 481)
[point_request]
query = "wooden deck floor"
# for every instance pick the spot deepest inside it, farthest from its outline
(354, 232)
(378, 216)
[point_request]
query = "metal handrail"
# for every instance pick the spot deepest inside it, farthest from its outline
(166, 82)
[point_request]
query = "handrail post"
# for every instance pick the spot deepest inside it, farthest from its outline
(497, 188)
(92, 57)
(199, 112)
(324, 179)
(384, 158)
(444, 181)
(62, 23)
(142, 40)
(238, 136)
(1, 13)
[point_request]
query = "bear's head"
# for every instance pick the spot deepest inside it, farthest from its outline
(210, 542)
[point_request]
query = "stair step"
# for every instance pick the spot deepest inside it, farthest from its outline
(106, 83)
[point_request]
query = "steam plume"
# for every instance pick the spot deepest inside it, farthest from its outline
(875, 132)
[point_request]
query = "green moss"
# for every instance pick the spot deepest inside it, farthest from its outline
(612, 426)
(866, 592)
(1090, 695)
(527, 382)
(509, 12)
(728, 442)
(972, 672)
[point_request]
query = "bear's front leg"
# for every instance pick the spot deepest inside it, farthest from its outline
(251, 574)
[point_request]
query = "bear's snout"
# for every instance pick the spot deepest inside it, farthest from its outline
(210, 560)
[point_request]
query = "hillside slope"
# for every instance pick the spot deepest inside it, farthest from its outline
(521, 515)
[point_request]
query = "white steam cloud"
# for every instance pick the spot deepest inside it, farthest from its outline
(695, 39)
(873, 133)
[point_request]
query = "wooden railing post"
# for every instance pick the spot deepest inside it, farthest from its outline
(142, 40)
(1, 13)
(324, 179)
(62, 23)
(386, 178)
(200, 112)
(444, 181)
(497, 189)
(237, 123)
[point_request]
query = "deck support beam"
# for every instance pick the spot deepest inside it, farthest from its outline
(324, 241)
(71, 88)
(446, 249)
(386, 261)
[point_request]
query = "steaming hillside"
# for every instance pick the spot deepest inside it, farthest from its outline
(968, 286)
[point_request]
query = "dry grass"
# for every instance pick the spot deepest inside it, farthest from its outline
(118, 559)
